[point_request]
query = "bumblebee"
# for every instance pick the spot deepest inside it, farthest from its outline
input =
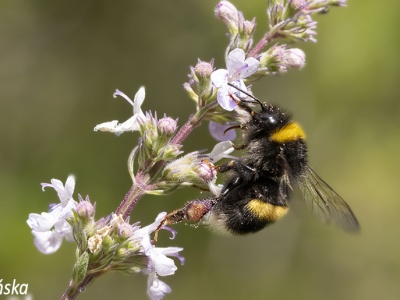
(260, 185)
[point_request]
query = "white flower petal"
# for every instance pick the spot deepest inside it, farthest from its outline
(156, 289)
(138, 100)
(107, 126)
(219, 78)
(43, 222)
(50, 228)
(235, 62)
(224, 100)
(233, 90)
(162, 264)
(70, 186)
(221, 150)
(47, 242)
(129, 125)
(217, 131)
(132, 124)
(250, 67)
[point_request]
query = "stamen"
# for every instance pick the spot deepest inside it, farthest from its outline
(119, 93)
(173, 232)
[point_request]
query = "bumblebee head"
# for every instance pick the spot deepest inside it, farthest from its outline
(270, 118)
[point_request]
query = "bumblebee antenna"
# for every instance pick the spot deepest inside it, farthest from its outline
(248, 94)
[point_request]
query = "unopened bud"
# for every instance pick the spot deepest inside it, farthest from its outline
(294, 58)
(228, 13)
(167, 126)
(85, 209)
(125, 230)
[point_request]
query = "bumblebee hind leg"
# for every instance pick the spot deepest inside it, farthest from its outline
(193, 211)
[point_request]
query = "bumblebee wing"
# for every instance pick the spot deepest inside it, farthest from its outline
(326, 204)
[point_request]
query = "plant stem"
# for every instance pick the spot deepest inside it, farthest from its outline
(73, 291)
(131, 198)
(272, 34)
(142, 182)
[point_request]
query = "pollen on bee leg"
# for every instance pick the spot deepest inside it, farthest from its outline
(195, 210)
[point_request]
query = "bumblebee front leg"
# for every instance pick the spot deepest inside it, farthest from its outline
(193, 211)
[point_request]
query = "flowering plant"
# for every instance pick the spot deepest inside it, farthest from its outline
(157, 164)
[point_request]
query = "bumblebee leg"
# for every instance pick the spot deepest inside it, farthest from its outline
(193, 211)
(224, 167)
(233, 164)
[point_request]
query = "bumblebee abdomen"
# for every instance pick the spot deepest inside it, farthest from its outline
(246, 216)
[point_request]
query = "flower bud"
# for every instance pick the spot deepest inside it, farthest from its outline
(297, 4)
(190, 169)
(85, 209)
(206, 171)
(125, 230)
(294, 58)
(249, 27)
(167, 126)
(199, 87)
(228, 13)
(278, 59)
(169, 152)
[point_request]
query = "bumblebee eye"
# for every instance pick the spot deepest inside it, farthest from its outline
(271, 119)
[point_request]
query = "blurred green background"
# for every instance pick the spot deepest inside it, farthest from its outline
(60, 64)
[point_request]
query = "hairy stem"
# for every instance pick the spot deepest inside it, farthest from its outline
(143, 182)
(272, 34)
(73, 291)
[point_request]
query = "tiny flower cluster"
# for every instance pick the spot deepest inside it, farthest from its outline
(110, 244)
(157, 144)
(50, 228)
(291, 20)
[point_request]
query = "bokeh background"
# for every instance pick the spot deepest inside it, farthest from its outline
(60, 62)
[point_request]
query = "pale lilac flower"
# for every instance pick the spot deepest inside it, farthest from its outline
(132, 124)
(217, 131)
(50, 228)
(156, 289)
(159, 263)
(237, 69)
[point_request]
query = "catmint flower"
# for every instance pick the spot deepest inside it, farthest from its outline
(132, 124)
(50, 228)
(217, 131)
(159, 264)
(237, 69)
(156, 289)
